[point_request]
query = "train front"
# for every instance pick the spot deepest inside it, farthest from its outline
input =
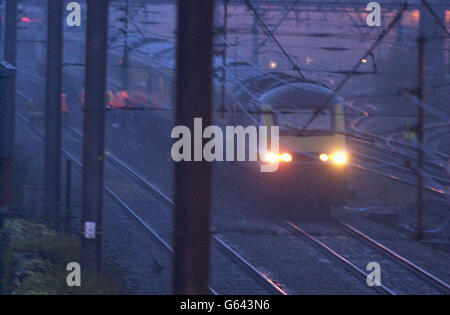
(313, 162)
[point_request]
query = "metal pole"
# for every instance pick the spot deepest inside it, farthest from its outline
(125, 51)
(125, 76)
(7, 110)
(193, 179)
(224, 57)
(1, 30)
(68, 183)
(420, 134)
(68, 214)
(11, 32)
(52, 164)
(94, 136)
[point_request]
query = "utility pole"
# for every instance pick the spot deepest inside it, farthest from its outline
(125, 64)
(224, 57)
(193, 179)
(10, 52)
(7, 104)
(420, 134)
(7, 115)
(124, 71)
(94, 136)
(52, 164)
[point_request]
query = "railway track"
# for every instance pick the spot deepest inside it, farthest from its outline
(254, 273)
(425, 276)
(261, 278)
(430, 172)
(389, 141)
(355, 250)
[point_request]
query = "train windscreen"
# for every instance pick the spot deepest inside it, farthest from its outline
(296, 120)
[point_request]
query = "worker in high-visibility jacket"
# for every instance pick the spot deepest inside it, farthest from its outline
(122, 99)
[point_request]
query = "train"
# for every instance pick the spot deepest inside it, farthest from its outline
(313, 164)
(312, 175)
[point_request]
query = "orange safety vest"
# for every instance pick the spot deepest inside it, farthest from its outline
(123, 98)
(116, 102)
(64, 105)
(123, 95)
(120, 99)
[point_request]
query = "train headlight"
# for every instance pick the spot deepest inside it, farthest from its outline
(323, 157)
(276, 157)
(286, 157)
(271, 157)
(339, 158)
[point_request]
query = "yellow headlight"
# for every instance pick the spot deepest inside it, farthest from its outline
(272, 157)
(339, 158)
(286, 157)
(323, 157)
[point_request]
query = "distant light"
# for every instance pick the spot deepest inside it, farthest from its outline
(25, 19)
(308, 60)
(273, 65)
(323, 157)
(415, 15)
(363, 60)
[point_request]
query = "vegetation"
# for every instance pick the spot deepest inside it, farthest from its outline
(35, 259)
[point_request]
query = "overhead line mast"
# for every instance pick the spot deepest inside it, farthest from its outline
(191, 267)
(94, 136)
(52, 165)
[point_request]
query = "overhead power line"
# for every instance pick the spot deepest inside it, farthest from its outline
(269, 32)
(435, 16)
(353, 71)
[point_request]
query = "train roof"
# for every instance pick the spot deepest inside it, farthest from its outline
(298, 95)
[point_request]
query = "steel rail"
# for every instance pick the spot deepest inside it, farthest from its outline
(253, 272)
(335, 254)
(133, 213)
(438, 283)
(399, 167)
